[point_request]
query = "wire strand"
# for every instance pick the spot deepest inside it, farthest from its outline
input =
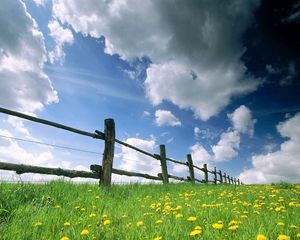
(51, 145)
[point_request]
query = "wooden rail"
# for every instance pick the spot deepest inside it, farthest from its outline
(104, 172)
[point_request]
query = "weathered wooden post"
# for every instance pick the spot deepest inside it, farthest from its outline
(239, 183)
(221, 177)
(215, 175)
(205, 173)
(191, 168)
(228, 179)
(225, 177)
(231, 179)
(163, 163)
(234, 181)
(108, 155)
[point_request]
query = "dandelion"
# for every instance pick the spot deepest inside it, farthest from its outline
(139, 223)
(283, 237)
(64, 238)
(261, 237)
(93, 215)
(298, 235)
(67, 224)
(106, 222)
(217, 225)
(84, 232)
(57, 206)
(198, 228)
(179, 215)
(233, 227)
(195, 232)
(293, 227)
(157, 238)
(38, 224)
(192, 219)
(233, 222)
(159, 222)
(280, 224)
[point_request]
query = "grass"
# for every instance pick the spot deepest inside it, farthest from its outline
(62, 210)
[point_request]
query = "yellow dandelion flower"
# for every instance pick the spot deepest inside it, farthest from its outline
(192, 219)
(67, 224)
(97, 197)
(280, 224)
(233, 222)
(298, 235)
(38, 224)
(217, 225)
(233, 227)
(106, 222)
(64, 238)
(157, 238)
(293, 227)
(93, 215)
(104, 216)
(179, 215)
(283, 237)
(195, 232)
(261, 237)
(198, 228)
(139, 223)
(84, 232)
(57, 206)
(159, 222)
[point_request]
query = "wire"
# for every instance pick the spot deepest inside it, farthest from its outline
(52, 145)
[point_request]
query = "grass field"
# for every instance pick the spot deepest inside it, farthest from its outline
(62, 210)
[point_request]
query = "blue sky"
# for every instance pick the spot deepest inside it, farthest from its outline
(218, 81)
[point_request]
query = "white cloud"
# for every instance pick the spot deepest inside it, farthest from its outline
(242, 120)
(201, 71)
(227, 146)
(134, 161)
(146, 113)
(40, 2)
(61, 36)
(164, 117)
(281, 165)
(24, 86)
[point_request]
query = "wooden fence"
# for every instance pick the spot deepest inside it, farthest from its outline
(104, 171)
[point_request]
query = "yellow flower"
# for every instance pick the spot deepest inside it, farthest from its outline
(293, 227)
(64, 238)
(192, 219)
(38, 224)
(233, 222)
(179, 215)
(84, 232)
(157, 238)
(261, 237)
(233, 227)
(298, 235)
(57, 206)
(106, 222)
(280, 224)
(67, 224)
(283, 237)
(139, 223)
(159, 222)
(195, 232)
(217, 225)
(93, 215)
(198, 228)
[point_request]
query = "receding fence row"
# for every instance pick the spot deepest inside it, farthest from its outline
(104, 171)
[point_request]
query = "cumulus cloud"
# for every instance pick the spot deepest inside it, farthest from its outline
(280, 165)
(194, 46)
(61, 37)
(242, 120)
(24, 86)
(134, 161)
(164, 117)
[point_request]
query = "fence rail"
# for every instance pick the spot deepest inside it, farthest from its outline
(104, 172)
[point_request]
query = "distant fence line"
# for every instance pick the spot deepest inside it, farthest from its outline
(104, 172)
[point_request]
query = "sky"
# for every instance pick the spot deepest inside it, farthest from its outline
(218, 80)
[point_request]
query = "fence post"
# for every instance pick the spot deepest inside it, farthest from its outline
(163, 163)
(239, 183)
(205, 173)
(228, 179)
(231, 179)
(108, 155)
(191, 168)
(221, 177)
(215, 174)
(234, 181)
(225, 179)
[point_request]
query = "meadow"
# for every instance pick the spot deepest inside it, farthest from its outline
(62, 210)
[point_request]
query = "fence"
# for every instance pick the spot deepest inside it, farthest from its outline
(104, 172)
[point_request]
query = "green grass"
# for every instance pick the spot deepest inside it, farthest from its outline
(33, 211)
